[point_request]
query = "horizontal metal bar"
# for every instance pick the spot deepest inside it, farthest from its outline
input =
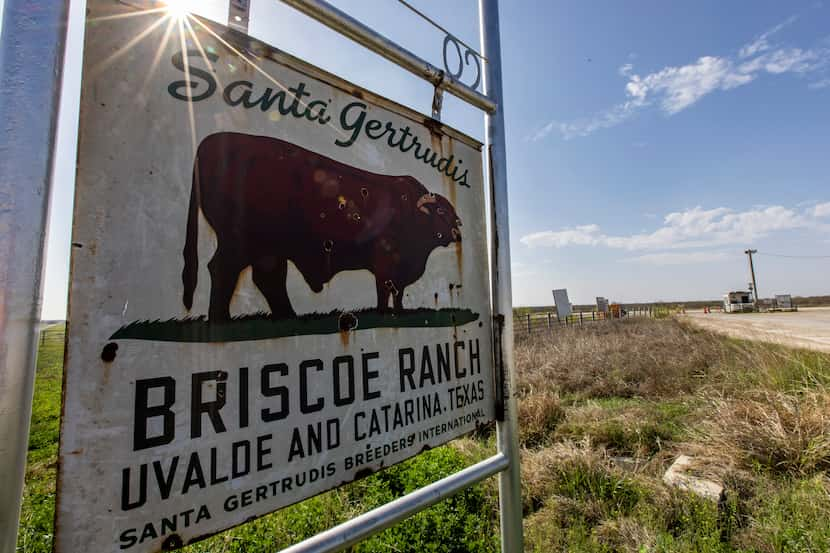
(344, 24)
(360, 528)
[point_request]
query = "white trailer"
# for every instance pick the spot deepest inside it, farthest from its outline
(738, 302)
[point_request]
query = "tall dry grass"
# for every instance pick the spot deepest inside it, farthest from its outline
(785, 432)
(637, 357)
(754, 416)
(763, 404)
(658, 359)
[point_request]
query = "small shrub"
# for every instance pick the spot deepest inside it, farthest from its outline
(464, 523)
(626, 427)
(783, 432)
(625, 534)
(789, 517)
(557, 528)
(577, 472)
(539, 413)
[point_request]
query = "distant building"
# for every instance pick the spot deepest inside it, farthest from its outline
(737, 302)
(783, 301)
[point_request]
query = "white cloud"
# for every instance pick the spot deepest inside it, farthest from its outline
(824, 83)
(604, 120)
(693, 228)
(675, 88)
(583, 235)
(675, 258)
(785, 60)
(583, 127)
(679, 87)
(761, 43)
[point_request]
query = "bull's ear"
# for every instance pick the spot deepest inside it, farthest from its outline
(425, 209)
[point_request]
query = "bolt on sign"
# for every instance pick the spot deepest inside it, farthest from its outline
(279, 285)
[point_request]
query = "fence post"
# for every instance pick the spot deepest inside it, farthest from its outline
(528, 323)
(580, 317)
(549, 325)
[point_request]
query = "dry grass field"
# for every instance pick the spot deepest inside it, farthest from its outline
(604, 411)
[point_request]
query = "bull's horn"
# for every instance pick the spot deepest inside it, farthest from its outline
(425, 199)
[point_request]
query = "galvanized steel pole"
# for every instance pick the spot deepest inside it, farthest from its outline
(31, 64)
(510, 496)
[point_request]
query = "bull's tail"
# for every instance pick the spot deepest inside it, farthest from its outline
(191, 247)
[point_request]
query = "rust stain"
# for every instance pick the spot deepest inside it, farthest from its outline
(452, 189)
(433, 126)
(437, 144)
(459, 259)
(347, 323)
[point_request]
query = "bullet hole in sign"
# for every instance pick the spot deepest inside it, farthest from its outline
(108, 353)
(347, 322)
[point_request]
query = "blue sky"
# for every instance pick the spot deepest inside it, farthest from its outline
(649, 143)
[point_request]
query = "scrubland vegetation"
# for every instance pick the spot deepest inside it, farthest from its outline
(604, 410)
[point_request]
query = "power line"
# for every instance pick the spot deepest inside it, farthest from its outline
(795, 256)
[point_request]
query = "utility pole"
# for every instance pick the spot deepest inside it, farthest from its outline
(755, 296)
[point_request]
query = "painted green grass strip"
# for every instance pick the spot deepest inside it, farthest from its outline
(262, 327)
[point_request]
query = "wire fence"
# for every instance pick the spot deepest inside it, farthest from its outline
(52, 335)
(539, 321)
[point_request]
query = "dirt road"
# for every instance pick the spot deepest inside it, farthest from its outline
(807, 328)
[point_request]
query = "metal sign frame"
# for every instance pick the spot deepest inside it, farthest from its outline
(31, 66)
(31, 62)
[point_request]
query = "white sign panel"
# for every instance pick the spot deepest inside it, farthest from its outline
(278, 285)
(563, 305)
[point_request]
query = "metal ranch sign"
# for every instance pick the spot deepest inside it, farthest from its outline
(279, 285)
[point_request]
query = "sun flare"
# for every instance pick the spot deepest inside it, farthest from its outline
(180, 8)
